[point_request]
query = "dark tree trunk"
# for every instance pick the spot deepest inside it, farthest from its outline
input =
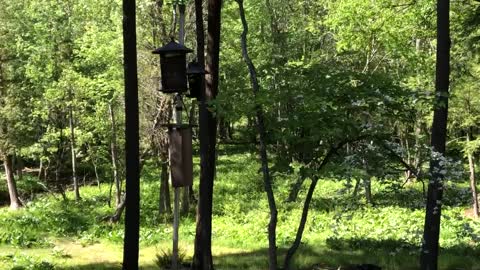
(356, 187)
(303, 220)
(11, 184)
(132, 189)
(367, 182)
(118, 213)
(222, 129)
(430, 246)
(295, 188)
(185, 200)
(19, 166)
(202, 258)
(267, 181)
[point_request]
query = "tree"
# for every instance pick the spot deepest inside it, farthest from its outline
(202, 258)
(430, 245)
(267, 181)
(15, 132)
(132, 200)
(464, 108)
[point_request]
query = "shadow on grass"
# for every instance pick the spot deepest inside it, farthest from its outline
(397, 254)
(104, 266)
(389, 254)
(238, 148)
(408, 198)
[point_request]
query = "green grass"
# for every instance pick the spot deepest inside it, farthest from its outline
(340, 229)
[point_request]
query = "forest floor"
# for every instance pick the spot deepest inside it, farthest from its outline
(342, 229)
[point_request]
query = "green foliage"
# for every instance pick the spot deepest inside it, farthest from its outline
(25, 262)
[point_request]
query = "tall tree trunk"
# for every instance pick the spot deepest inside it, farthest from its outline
(267, 181)
(113, 149)
(132, 188)
(72, 146)
(12, 186)
(473, 182)
(202, 258)
(430, 246)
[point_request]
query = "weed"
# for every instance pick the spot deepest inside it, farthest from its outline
(163, 258)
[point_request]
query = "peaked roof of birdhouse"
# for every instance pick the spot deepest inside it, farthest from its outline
(195, 68)
(172, 46)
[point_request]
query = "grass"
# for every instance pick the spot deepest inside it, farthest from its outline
(340, 229)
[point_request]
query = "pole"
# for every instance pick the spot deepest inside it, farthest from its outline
(177, 114)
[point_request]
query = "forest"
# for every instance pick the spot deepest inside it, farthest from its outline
(256, 134)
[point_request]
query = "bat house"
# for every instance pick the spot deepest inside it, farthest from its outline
(181, 162)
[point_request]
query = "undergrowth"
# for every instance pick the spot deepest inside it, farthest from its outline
(338, 226)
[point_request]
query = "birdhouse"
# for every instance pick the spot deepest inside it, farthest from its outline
(195, 73)
(173, 65)
(180, 149)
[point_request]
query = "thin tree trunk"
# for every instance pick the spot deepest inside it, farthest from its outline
(306, 206)
(356, 187)
(72, 146)
(367, 182)
(19, 166)
(113, 149)
(303, 220)
(118, 213)
(58, 165)
(267, 181)
(165, 204)
(132, 188)
(40, 170)
(202, 258)
(430, 246)
(12, 185)
(295, 188)
(473, 182)
(95, 169)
